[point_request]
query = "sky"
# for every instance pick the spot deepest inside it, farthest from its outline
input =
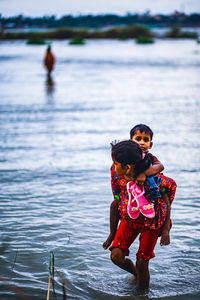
(59, 8)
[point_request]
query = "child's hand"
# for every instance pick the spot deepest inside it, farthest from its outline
(165, 238)
(108, 242)
(140, 179)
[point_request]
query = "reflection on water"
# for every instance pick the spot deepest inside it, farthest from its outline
(55, 159)
(50, 88)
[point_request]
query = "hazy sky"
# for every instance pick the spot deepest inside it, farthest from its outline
(64, 7)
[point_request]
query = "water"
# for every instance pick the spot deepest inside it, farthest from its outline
(55, 159)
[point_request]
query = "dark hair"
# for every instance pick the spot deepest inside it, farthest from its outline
(141, 128)
(129, 152)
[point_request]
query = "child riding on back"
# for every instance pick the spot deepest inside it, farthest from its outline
(128, 163)
(142, 135)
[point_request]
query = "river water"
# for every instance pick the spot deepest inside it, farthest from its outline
(55, 160)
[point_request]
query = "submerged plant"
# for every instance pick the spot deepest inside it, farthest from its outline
(36, 41)
(77, 41)
(144, 40)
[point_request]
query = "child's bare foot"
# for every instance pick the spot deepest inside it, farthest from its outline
(108, 242)
(165, 238)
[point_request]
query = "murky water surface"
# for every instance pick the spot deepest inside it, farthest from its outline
(55, 160)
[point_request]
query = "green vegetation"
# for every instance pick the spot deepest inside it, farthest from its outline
(128, 32)
(77, 41)
(176, 32)
(35, 41)
(144, 40)
(143, 34)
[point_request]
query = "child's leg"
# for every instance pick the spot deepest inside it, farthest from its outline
(114, 220)
(165, 235)
(153, 189)
(148, 240)
(118, 258)
(143, 276)
(124, 237)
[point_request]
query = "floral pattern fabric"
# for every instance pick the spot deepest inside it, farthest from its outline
(118, 184)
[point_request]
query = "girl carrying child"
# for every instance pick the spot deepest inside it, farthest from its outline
(128, 163)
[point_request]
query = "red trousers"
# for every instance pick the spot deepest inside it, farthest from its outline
(127, 233)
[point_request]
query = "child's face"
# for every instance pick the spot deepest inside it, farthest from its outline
(143, 139)
(119, 169)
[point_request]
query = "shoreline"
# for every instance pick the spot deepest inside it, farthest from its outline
(123, 33)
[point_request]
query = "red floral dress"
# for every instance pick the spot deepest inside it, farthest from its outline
(118, 184)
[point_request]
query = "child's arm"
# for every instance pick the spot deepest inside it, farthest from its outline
(156, 168)
(114, 220)
(165, 237)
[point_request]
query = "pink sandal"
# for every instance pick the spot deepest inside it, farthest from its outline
(138, 203)
(133, 209)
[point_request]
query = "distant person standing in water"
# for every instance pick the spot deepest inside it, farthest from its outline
(49, 60)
